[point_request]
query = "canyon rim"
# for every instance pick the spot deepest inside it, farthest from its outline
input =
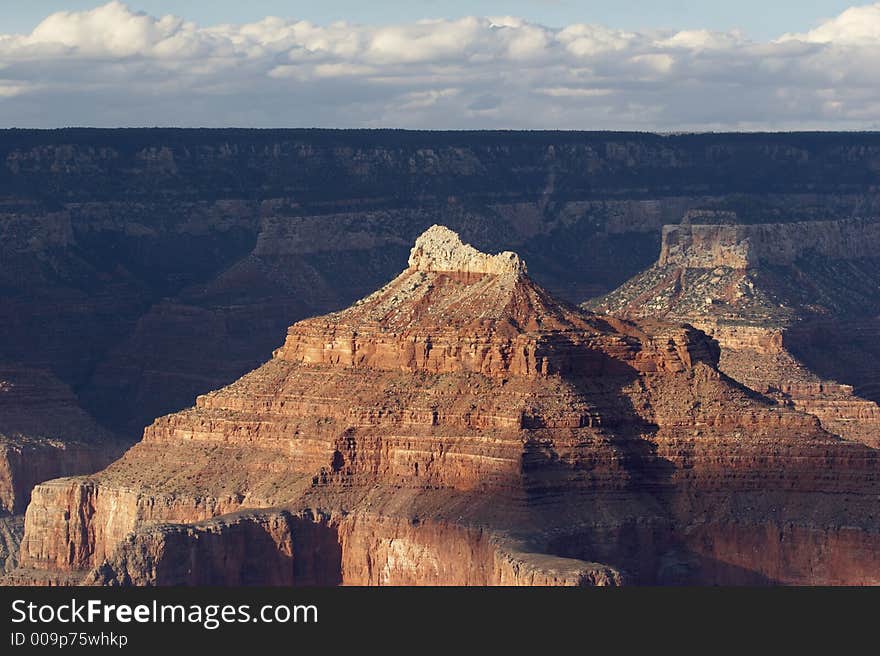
(419, 323)
(707, 415)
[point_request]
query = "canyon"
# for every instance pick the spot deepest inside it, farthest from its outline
(43, 434)
(145, 269)
(795, 308)
(461, 425)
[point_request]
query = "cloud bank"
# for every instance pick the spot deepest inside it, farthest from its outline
(114, 66)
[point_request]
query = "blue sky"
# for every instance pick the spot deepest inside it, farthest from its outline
(760, 19)
(519, 64)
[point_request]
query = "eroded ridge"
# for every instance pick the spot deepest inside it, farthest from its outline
(461, 425)
(794, 306)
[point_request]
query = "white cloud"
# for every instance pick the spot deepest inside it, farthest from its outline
(425, 41)
(855, 26)
(589, 40)
(702, 39)
(116, 66)
(111, 30)
(9, 90)
(422, 99)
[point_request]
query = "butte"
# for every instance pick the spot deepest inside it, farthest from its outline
(462, 426)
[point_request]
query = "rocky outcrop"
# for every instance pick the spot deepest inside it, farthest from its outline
(793, 307)
(44, 434)
(772, 244)
(282, 548)
(11, 530)
(440, 249)
(483, 316)
(737, 279)
(146, 267)
(462, 425)
(265, 548)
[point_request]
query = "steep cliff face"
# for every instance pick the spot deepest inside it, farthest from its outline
(145, 267)
(795, 308)
(44, 434)
(281, 548)
(461, 425)
(11, 531)
(773, 244)
(264, 548)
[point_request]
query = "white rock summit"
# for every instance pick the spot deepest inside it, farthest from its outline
(441, 249)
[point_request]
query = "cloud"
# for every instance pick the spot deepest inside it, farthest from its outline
(114, 66)
(110, 31)
(855, 26)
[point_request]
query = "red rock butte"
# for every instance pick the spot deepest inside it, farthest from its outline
(462, 426)
(794, 307)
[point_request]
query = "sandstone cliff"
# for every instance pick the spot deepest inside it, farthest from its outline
(145, 267)
(43, 434)
(770, 244)
(462, 425)
(795, 308)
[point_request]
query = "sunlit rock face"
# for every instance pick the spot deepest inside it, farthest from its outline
(145, 267)
(794, 306)
(461, 425)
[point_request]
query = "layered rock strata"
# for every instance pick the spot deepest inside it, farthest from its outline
(795, 308)
(44, 434)
(146, 267)
(461, 425)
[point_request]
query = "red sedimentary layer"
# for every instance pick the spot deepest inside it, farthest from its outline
(460, 425)
(786, 303)
(44, 434)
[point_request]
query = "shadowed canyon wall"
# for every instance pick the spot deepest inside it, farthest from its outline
(794, 306)
(463, 425)
(143, 267)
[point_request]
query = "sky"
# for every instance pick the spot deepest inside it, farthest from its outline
(761, 19)
(520, 64)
